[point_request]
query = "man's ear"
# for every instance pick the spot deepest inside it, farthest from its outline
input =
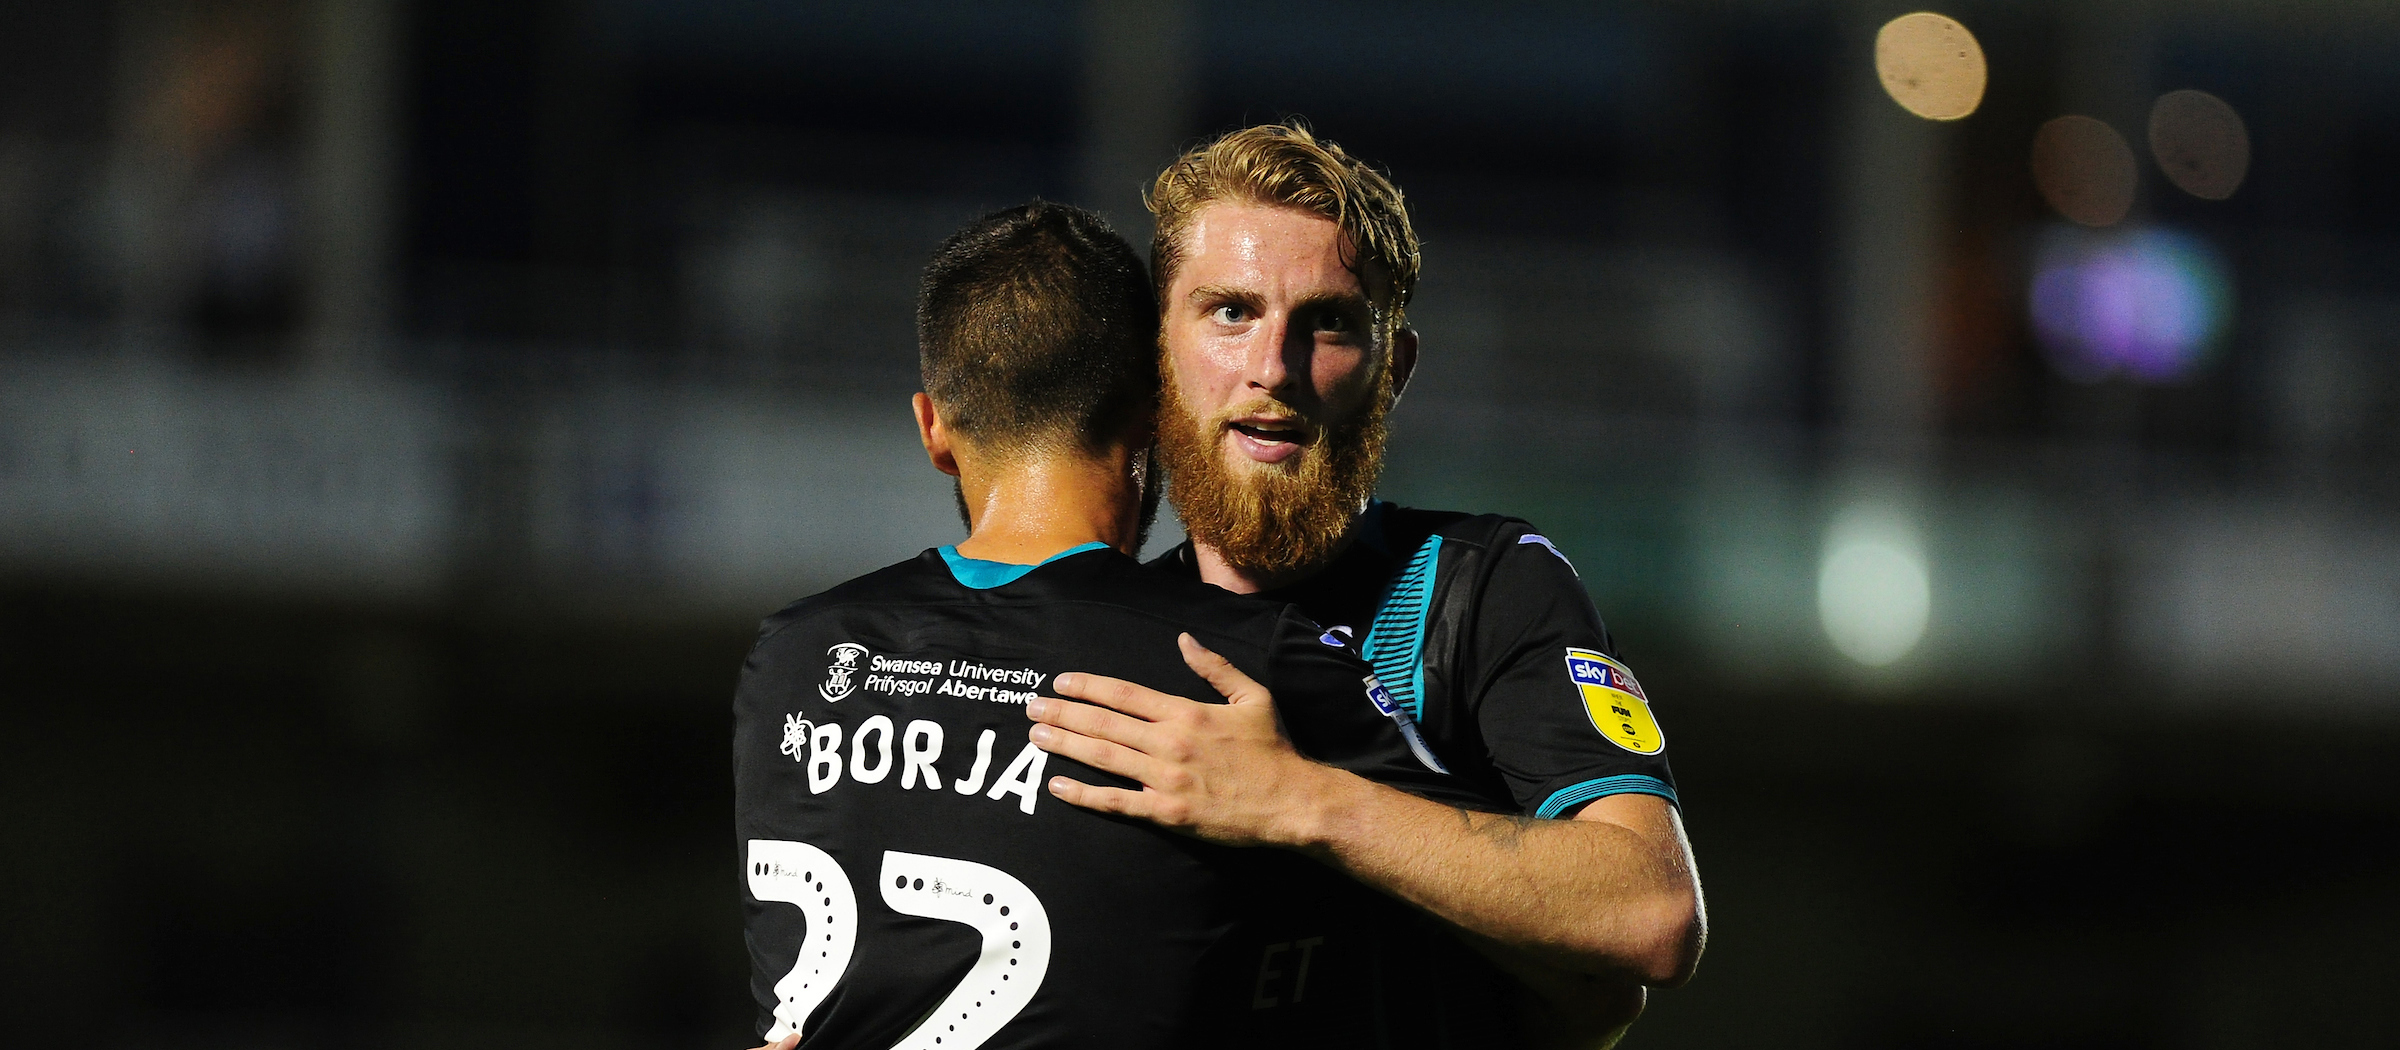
(1404, 360)
(934, 434)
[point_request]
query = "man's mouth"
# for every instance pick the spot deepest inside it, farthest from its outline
(1269, 440)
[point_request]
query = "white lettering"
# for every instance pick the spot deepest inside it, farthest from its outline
(881, 726)
(918, 748)
(1011, 675)
(983, 764)
(1022, 778)
(993, 693)
(890, 686)
(824, 757)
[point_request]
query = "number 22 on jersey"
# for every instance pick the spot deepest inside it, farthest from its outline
(1015, 931)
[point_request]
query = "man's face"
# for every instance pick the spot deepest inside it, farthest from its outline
(1263, 309)
(1276, 386)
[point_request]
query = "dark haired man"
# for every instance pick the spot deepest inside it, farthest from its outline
(909, 882)
(1284, 267)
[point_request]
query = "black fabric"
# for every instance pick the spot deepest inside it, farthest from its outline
(1155, 939)
(1498, 706)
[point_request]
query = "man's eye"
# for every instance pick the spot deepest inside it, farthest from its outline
(1332, 321)
(1227, 314)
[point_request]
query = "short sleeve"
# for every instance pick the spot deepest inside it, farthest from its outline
(1565, 720)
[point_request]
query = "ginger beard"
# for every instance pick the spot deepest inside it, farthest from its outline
(1273, 519)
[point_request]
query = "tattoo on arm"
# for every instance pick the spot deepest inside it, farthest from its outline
(1505, 831)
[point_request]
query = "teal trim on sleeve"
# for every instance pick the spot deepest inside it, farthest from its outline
(985, 575)
(1574, 795)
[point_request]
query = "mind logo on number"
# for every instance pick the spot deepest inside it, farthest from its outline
(1614, 702)
(837, 674)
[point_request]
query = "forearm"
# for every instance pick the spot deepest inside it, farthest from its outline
(1586, 896)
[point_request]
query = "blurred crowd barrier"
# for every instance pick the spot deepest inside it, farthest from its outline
(684, 500)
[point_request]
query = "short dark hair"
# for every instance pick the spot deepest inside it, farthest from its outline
(1037, 329)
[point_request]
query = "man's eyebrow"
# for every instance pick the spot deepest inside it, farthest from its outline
(1220, 293)
(1336, 300)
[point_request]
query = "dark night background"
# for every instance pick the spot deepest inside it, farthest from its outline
(408, 408)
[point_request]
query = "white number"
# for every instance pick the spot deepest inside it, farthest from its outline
(800, 874)
(1014, 926)
(1016, 943)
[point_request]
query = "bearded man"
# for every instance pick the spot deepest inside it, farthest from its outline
(1284, 267)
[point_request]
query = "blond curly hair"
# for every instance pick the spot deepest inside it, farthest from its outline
(1287, 165)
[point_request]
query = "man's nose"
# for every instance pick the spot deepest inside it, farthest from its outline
(1280, 355)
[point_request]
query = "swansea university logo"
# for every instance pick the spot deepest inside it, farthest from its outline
(1614, 702)
(837, 674)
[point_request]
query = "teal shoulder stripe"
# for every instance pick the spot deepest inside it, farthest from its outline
(1623, 784)
(1395, 644)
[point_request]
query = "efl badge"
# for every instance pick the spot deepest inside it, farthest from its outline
(1615, 702)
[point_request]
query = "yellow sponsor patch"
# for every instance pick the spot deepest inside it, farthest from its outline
(1615, 702)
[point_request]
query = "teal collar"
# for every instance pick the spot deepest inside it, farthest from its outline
(985, 575)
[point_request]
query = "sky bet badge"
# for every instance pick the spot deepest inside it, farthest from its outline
(1615, 702)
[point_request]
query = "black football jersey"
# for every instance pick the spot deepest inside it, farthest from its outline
(910, 881)
(1481, 630)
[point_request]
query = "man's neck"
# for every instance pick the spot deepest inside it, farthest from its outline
(1214, 569)
(1031, 507)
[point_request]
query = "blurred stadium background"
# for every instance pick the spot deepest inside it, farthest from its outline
(408, 408)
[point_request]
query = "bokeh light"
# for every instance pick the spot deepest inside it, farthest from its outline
(2148, 303)
(1930, 65)
(1874, 592)
(2200, 143)
(2084, 169)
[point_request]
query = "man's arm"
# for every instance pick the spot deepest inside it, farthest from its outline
(1612, 892)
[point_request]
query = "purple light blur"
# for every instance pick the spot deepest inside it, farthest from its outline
(2148, 302)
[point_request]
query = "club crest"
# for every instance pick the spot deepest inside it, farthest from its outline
(838, 674)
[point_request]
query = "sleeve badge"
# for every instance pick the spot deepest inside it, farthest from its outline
(1614, 702)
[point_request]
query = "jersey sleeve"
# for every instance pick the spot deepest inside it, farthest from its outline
(1337, 713)
(1563, 717)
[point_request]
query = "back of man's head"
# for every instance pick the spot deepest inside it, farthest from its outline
(1037, 331)
(1286, 165)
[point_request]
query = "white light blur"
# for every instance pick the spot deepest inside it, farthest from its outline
(1874, 593)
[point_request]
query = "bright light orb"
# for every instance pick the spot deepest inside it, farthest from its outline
(2148, 304)
(1930, 65)
(1874, 594)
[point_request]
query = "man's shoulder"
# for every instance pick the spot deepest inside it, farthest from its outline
(1407, 528)
(1161, 588)
(1102, 583)
(898, 583)
(1490, 549)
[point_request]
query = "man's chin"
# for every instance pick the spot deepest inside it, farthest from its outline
(1250, 473)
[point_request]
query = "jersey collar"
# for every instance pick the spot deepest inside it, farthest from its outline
(984, 575)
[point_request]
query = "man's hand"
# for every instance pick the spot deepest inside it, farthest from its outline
(1609, 893)
(1223, 772)
(786, 1043)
